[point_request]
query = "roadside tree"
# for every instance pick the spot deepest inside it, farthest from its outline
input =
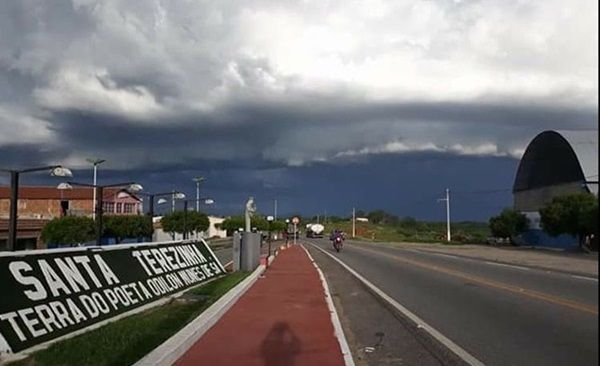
(121, 227)
(72, 230)
(575, 214)
(174, 222)
(508, 224)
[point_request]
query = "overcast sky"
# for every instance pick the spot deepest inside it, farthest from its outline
(323, 105)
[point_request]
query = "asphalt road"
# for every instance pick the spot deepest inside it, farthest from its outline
(502, 315)
(224, 255)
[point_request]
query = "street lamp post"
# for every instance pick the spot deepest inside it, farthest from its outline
(206, 201)
(198, 180)
(152, 196)
(131, 187)
(55, 170)
(95, 163)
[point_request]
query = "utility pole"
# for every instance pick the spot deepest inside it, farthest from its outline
(353, 222)
(275, 210)
(173, 201)
(447, 199)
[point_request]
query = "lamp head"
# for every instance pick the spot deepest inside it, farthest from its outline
(95, 161)
(134, 188)
(64, 185)
(61, 171)
(179, 195)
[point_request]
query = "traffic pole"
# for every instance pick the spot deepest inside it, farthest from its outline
(448, 214)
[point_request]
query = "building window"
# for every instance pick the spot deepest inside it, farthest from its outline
(119, 207)
(109, 207)
(129, 208)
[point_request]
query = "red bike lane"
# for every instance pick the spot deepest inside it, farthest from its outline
(283, 319)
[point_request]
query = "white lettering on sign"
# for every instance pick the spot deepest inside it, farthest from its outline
(70, 291)
(61, 276)
(16, 268)
(72, 274)
(158, 261)
(52, 279)
(109, 275)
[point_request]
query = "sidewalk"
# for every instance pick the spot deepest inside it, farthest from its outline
(282, 320)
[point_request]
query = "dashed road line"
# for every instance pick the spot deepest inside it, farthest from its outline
(507, 265)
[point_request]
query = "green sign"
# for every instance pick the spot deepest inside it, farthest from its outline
(50, 293)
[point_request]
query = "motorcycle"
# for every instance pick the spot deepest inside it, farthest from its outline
(338, 243)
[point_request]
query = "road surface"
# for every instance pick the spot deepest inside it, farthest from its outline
(500, 314)
(224, 255)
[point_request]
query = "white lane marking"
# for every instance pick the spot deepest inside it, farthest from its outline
(337, 325)
(507, 265)
(459, 351)
(585, 278)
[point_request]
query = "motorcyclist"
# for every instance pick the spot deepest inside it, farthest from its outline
(335, 234)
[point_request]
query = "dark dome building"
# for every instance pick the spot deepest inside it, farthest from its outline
(555, 163)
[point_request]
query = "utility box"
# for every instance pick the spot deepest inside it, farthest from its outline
(237, 245)
(246, 251)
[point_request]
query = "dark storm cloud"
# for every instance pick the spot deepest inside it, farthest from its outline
(277, 99)
(309, 128)
(20, 156)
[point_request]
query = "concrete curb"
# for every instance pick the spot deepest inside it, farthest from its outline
(176, 346)
(337, 325)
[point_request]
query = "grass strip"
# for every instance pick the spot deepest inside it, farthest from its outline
(127, 340)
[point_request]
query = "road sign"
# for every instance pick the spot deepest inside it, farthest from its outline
(295, 220)
(88, 285)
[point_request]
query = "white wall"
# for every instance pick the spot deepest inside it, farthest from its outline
(212, 229)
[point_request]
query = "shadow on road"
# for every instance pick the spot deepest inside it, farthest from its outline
(280, 346)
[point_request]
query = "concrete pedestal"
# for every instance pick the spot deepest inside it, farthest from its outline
(246, 251)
